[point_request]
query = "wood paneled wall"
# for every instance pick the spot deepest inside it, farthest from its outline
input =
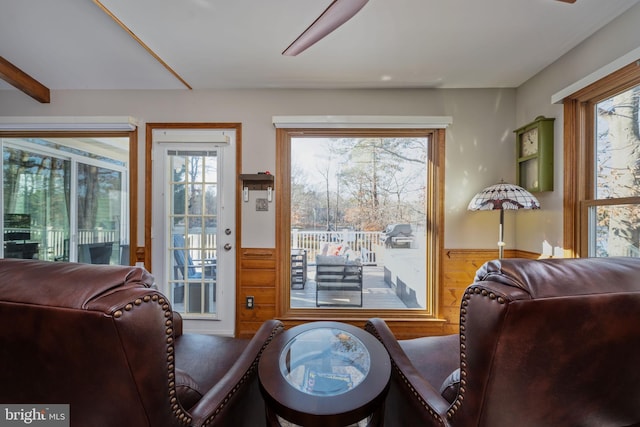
(257, 276)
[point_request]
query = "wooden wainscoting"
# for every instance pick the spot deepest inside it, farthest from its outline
(459, 268)
(257, 278)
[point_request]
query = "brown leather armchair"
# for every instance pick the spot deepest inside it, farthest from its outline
(103, 340)
(542, 343)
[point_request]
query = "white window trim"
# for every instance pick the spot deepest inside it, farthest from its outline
(621, 62)
(368, 122)
(61, 123)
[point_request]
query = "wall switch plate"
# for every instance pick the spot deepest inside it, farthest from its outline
(249, 303)
(262, 205)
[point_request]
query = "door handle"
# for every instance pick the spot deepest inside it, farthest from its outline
(227, 247)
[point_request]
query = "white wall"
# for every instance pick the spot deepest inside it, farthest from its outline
(621, 36)
(480, 148)
(480, 143)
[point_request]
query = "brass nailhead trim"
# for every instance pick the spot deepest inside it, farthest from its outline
(408, 384)
(476, 290)
(244, 378)
(178, 412)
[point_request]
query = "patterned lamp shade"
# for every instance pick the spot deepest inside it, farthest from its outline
(503, 197)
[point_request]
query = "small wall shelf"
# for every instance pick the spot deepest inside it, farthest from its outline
(257, 181)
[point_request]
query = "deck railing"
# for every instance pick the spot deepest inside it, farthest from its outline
(364, 243)
(54, 242)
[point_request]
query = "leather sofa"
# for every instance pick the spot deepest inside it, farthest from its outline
(103, 340)
(542, 343)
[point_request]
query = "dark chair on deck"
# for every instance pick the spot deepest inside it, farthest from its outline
(195, 276)
(95, 253)
(338, 278)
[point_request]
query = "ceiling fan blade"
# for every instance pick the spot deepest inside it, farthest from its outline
(338, 12)
(568, 1)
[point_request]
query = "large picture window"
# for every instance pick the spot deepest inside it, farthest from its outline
(361, 215)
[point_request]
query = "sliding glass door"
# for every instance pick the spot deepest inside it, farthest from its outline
(64, 199)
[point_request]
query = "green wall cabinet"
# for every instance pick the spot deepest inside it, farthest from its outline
(534, 152)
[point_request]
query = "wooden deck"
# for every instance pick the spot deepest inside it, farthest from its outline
(376, 293)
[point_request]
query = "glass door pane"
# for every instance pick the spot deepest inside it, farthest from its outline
(193, 214)
(66, 199)
(36, 205)
(99, 214)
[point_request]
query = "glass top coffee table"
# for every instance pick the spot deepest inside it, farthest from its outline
(325, 374)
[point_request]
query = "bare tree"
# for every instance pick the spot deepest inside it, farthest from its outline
(618, 174)
(325, 172)
(380, 181)
(372, 181)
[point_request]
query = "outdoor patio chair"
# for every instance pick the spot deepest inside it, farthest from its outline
(197, 275)
(337, 273)
(95, 253)
(205, 268)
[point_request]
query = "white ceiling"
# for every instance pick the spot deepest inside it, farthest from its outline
(74, 44)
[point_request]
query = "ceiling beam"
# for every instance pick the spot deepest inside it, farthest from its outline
(141, 43)
(24, 82)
